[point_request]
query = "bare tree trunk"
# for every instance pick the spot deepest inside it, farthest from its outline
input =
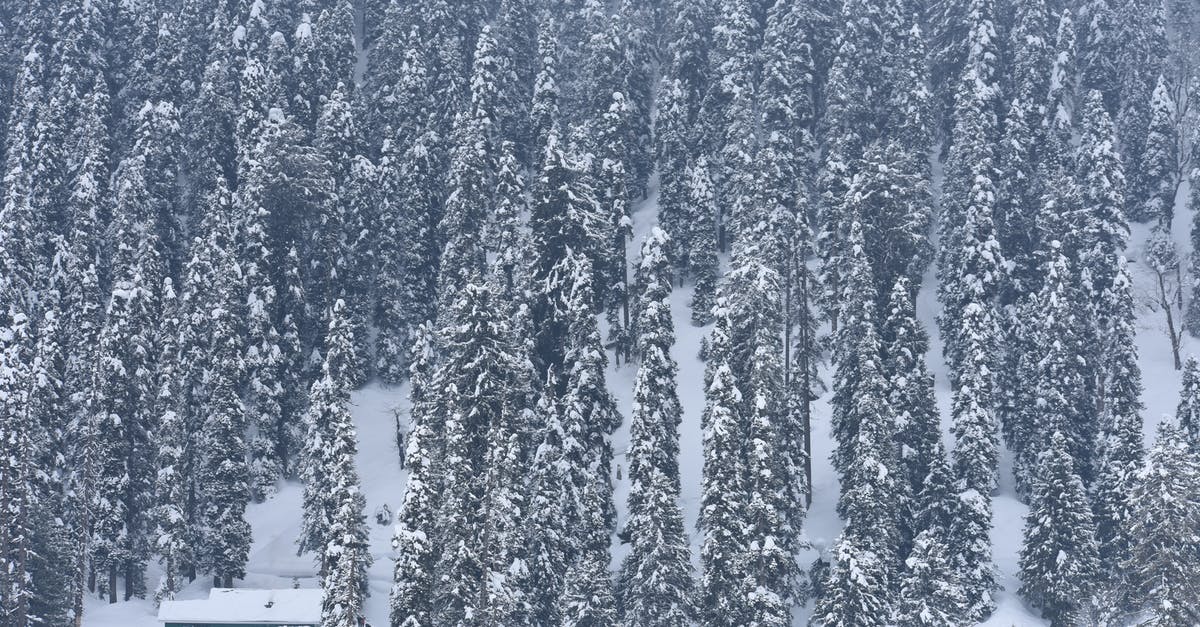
(806, 389)
(1164, 301)
(112, 583)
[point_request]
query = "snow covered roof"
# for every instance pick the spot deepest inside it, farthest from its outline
(247, 607)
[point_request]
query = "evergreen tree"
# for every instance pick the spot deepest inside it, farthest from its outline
(1100, 52)
(918, 428)
(672, 151)
(929, 590)
(976, 433)
(173, 534)
(1021, 148)
(969, 536)
(727, 124)
(1140, 38)
(1121, 449)
(969, 262)
(472, 382)
(462, 257)
(1162, 566)
(1061, 402)
(654, 586)
(1161, 165)
(723, 492)
(1059, 560)
(702, 235)
(1187, 413)
(1100, 182)
(565, 220)
(344, 557)
(891, 198)
(123, 394)
(587, 595)
(407, 247)
(543, 111)
(866, 555)
(18, 485)
(222, 473)
(412, 587)
(849, 126)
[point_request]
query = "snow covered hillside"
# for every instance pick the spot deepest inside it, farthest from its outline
(544, 313)
(274, 563)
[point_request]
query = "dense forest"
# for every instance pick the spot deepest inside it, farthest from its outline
(221, 220)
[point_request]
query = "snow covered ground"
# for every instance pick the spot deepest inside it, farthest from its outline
(274, 564)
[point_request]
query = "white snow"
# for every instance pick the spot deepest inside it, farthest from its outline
(232, 605)
(274, 564)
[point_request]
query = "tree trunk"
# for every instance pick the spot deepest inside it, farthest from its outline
(1164, 301)
(130, 577)
(806, 390)
(112, 583)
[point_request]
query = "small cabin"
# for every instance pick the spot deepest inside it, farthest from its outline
(230, 607)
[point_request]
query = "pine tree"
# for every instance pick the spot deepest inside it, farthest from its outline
(545, 556)
(1162, 566)
(505, 235)
(929, 591)
(543, 111)
(122, 391)
(969, 262)
(1059, 560)
(1191, 319)
(849, 127)
(18, 485)
(472, 382)
(976, 433)
(462, 258)
(1161, 166)
(672, 151)
(1100, 182)
(726, 124)
(1061, 99)
(508, 462)
(654, 586)
(173, 535)
(933, 590)
(1021, 150)
(702, 236)
(407, 250)
(344, 556)
(413, 541)
(1187, 413)
(866, 555)
(891, 198)
(969, 535)
(918, 428)
(723, 492)
(1140, 37)
(613, 192)
(51, 534)
(1121, 449)
(587, 596)
(222, 474)
(1058, 372)
(1100, 52)
(565, 220)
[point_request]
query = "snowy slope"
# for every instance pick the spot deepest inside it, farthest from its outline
(273, 560)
